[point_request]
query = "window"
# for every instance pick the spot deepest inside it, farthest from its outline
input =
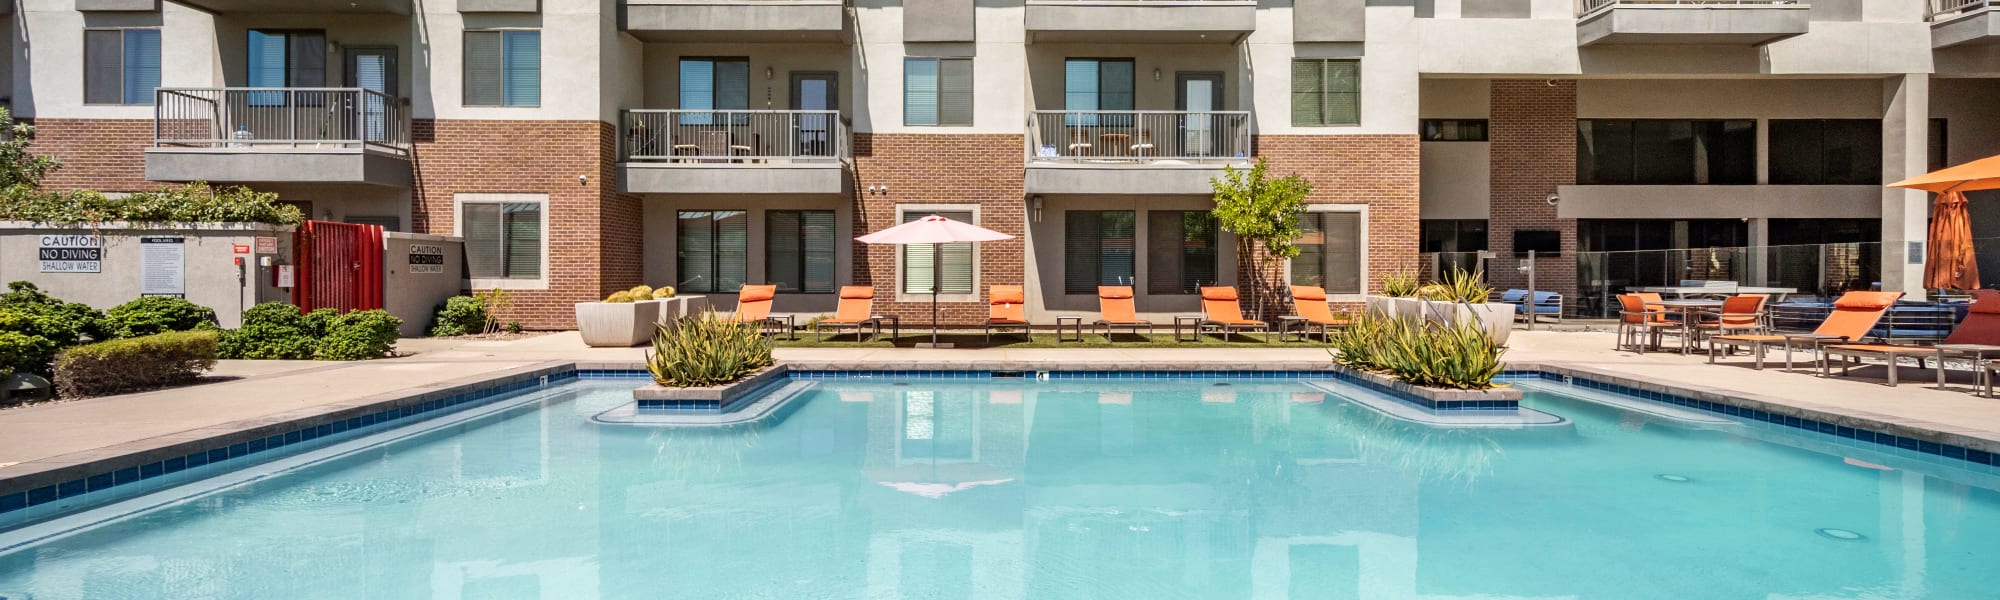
(1666, 152)
(1454, 130)
(121, 66)
(1602, 235)
(1938, 144)
(798, 253)
(1326, 92)
(937, 91)
(287, 59)
(1453, 235)
(1097, 249)
(954, 261)
(714, 250)
(503, 68)
(503, 240)
(1094, 84)
(713, 84)
(1329, 252)
(1180, 251)
(1826, 151)
(1789, 232)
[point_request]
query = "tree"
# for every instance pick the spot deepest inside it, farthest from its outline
(17, 166)
(1261, 211)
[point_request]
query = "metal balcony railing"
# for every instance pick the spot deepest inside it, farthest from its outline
(733, 136)
(1586, 8)
(1940, 10)
(256, 118)
(1138, 135)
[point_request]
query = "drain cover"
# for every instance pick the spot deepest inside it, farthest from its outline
(1673, 478)
(1222, 385)
(1840, 534)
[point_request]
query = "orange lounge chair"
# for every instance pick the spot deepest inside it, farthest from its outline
(856, 311)
(1636, 319)
(1008, 311)
(1853, 315)
(1220, 309)
(1309, 302)
(1981, 327)
(1115, 309)
(753, 305)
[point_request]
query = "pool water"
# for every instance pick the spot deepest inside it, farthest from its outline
(884, 488)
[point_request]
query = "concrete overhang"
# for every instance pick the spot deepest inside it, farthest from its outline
(736, 20)
(1141, 21)
(754, 178)
(269, 165)
(1970, 28)
(1719, 202)
(398, 7)
(1722, 24)
(1124, 179)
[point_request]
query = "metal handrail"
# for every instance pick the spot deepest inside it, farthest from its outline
(1585, 8)
(1953, 8)
(1138, 135)
(733, 136)
(290, 117)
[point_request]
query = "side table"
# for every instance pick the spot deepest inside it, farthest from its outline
(1193, 322)
(1073, 324)
(895, 326)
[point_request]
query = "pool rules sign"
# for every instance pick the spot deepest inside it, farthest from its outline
(71, 253)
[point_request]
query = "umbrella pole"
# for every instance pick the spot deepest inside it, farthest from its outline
(937, 272)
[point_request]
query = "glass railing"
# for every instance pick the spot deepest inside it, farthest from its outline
(1810, 270)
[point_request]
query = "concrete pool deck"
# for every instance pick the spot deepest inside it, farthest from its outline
(267, 389)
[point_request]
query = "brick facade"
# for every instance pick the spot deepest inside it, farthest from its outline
(1379, 170)
(107, 155)
(1532, 135)
(594, 231)
(983, 169)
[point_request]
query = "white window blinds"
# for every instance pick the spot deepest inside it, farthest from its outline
(799, 250)
(954, 260)
(503, 240)
(503, 68)
(714, 250)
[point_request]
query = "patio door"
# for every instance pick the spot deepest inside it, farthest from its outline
(373, 69)
(1198, 93)
(815, 90)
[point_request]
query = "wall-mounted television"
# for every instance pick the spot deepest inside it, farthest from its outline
(1543, 242)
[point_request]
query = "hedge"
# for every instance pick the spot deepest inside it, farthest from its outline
(190, 203)
(157, 314)
(276, 330)
(134, 364)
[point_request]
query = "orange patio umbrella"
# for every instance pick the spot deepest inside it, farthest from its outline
(1951, 263)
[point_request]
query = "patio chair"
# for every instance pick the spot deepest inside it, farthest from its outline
(1742, 313)
(1115, 309)
(1853, 315)
(856, 311)
(1309, 302)
(1981, 327)
(1008, 311)
(1220, 309)
(753, 305)
(1637, 319)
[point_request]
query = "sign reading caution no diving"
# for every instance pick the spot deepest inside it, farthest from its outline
(70, 253)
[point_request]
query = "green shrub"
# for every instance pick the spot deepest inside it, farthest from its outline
(707, 351)
(157, 314)
(134, 364)
(23, 353)
(1463, 286)
(87, 321)
(460, 315)
(1461, 356)
(270, 331)
(190, 203)
(1400, 284)
(358, 335)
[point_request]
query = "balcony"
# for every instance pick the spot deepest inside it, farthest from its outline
(279, 135)
(732, 152)
(1140, 21)
(397, 7)
(1716, 22)
(1133, 152)
(1963, 22)
(736, 20)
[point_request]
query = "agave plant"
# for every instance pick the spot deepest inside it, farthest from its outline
(1400, 284)
(1463, 286)
(707, 351)
(1458, 356)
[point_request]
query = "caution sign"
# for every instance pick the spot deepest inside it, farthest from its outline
(426, 258)
(71, 253)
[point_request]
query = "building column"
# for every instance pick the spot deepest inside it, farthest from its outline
(1905, 213)
(1760, 253)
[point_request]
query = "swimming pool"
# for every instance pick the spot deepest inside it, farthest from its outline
(925, 488)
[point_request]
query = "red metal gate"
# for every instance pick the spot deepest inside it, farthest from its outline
(339, 266)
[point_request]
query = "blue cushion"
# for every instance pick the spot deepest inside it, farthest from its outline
(1513, 295)
(1545, 297)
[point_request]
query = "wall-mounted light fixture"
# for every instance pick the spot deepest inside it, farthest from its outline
(1156, 73)
(1553, 198)
(768, 73)
(1035, 207)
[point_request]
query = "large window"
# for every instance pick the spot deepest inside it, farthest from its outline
(952, 262)
(1180, 251)
(1326, 92)
(503, 238)
(1098, 249)
(1092, 84)
(1329, 252)
(1454, 130)
(798, 255)
(287, 58)
(1826, 152)
(1666, 152)
(713, 84)
(937, 91)
(1453, 235)
(1611, 235)
(120, 66)
(1788, 232)
(714, 250)
(503, 68)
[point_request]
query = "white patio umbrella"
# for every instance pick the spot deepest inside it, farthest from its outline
(933, 230)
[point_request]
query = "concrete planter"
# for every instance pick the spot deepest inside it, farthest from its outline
(1379, 305)
(617, 324)
(719, 397)
(1407, 308)
(672, 310)
(1496, 318)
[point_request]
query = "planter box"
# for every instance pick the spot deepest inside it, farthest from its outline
(1379, 305)
(617, 324)
(1499, 398)
(1407, 308)
(1496, 318)
(719, 397)
(672, 310)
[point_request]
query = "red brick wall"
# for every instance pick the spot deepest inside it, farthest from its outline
(107, 155)
(1379, 170)
(594, 232)
(1532, 135)
(986, 169)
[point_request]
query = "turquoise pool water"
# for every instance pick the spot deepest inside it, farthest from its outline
(1104, 490)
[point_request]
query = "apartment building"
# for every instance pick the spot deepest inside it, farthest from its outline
(585, 146)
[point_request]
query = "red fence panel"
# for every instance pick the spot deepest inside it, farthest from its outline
(339, 266)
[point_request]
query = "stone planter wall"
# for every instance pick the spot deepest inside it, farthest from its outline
(617, 324)
(719, 397)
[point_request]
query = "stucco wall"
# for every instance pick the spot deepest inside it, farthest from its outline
(662, 242)
(412, 296)
(209, 273)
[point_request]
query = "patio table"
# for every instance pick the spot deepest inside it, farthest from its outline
(1776, 293)
(1688, 308)
(1979, 353)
